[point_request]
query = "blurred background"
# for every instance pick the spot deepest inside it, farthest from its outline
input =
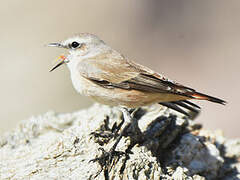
(195, 43)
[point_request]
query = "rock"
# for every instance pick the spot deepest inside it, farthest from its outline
(161, 145)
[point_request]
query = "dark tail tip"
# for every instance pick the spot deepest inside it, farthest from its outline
(216, 100)
(201, 96)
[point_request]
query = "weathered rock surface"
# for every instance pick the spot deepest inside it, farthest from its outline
(160, 146)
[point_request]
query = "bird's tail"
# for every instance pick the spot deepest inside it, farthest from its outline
(200, 96)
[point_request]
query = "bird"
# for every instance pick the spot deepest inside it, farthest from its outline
(107, 76)
(110, 78)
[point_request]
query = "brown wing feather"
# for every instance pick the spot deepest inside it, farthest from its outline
(105, 68)
(118, 72)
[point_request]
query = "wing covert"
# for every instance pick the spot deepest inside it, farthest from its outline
(121, 73)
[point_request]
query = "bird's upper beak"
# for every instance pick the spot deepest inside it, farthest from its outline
(55, 45)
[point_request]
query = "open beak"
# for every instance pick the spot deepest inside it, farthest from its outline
(61, 60)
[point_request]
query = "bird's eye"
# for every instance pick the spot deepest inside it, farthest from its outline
(75, 44)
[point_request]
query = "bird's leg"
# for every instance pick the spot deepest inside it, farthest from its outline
(107, 159)
(128, 119)
(105, 133)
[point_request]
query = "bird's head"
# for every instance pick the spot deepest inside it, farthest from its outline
(84, 44)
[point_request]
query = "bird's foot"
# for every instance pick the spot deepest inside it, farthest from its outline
(102, 137)
(107, 160)
(106, 132)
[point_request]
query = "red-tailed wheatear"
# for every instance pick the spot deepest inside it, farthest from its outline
(100, 72)
(108, 77)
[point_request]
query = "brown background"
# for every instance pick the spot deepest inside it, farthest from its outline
(193, 42)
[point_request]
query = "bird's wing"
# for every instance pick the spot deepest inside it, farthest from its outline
(118, 72)
(112, 72)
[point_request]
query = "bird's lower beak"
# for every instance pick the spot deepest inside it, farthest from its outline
(61, 60)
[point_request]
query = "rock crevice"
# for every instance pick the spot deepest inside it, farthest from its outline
(162, 145)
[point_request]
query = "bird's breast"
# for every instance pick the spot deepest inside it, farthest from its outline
(80, 84)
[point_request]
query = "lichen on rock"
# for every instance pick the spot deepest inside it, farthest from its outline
(162, 145)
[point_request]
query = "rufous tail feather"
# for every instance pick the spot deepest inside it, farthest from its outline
(200, 96)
